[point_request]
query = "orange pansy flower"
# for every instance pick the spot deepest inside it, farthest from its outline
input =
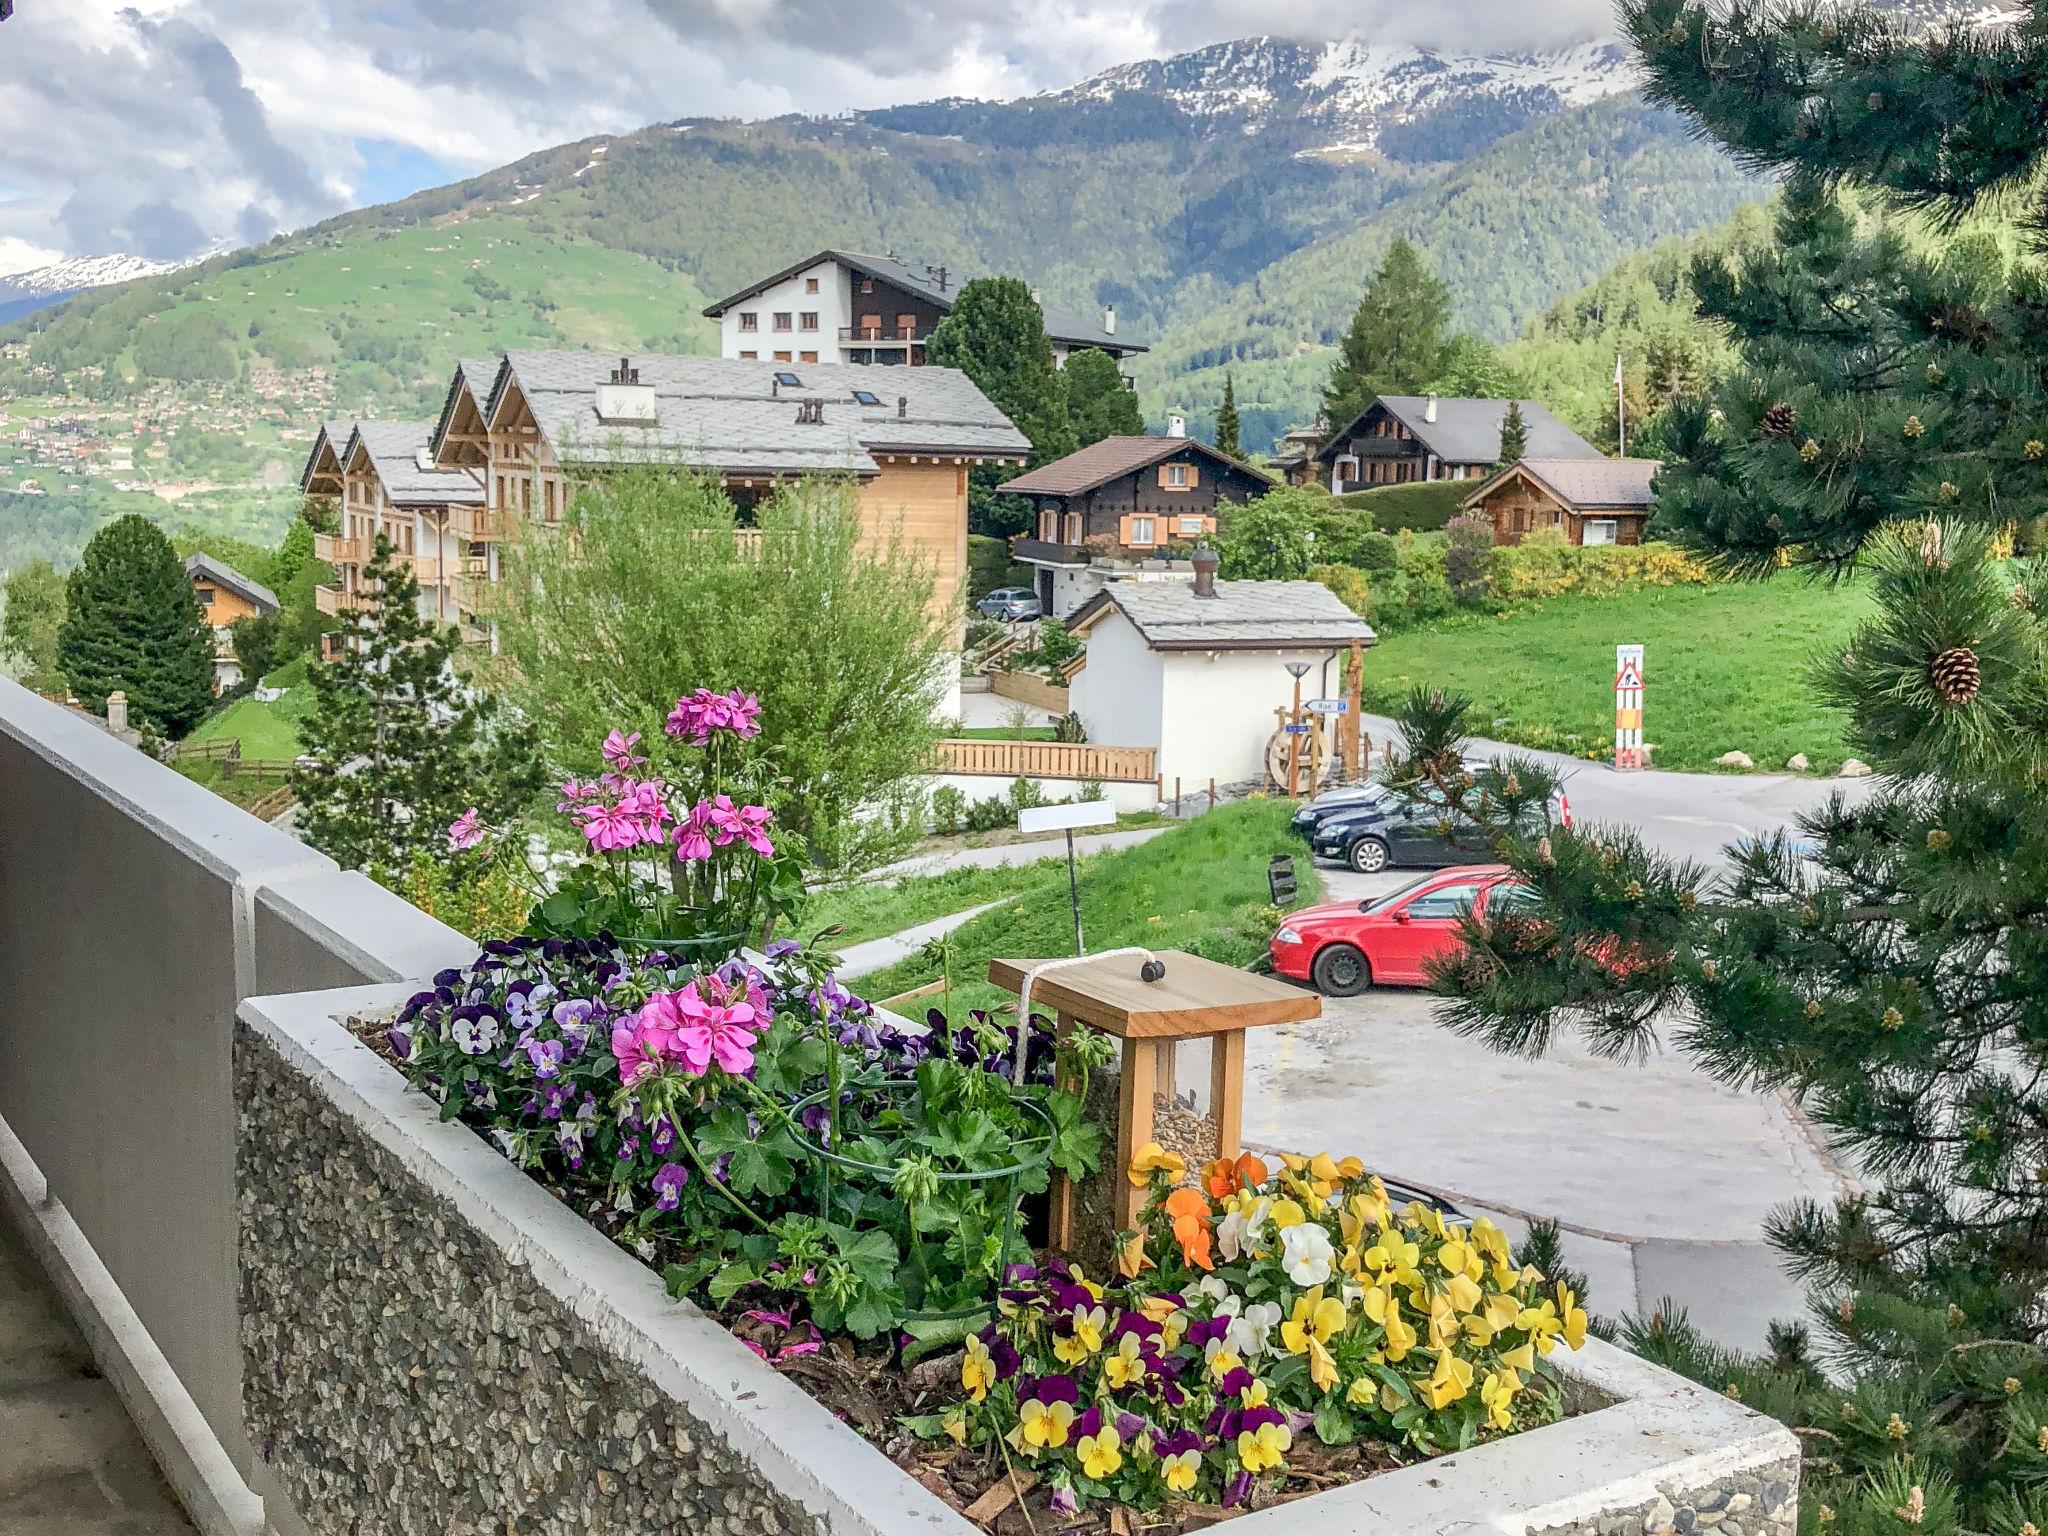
(1226, 1176)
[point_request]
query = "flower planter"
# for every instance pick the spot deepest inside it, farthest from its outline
(434, 1344)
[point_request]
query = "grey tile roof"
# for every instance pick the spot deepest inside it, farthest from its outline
(476, 375)
(394, 449)
(1604, 485)
(332, 434)
(1468, 431)
(1242, 616)
(223, 574)
(1098, 463)
(923, 278)
(730, 415)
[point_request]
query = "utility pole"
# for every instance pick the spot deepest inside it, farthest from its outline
(1620, 412)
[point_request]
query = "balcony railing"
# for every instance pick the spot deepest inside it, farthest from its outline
(481, 524)
(1050, 760)
(336, 549)
(888, 335)
(333, 601)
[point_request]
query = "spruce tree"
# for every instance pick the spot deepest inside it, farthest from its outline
(132, 622)
(396, 746)
(1397, 341)
(1099, 402)
(1886, 968)
(1226, 420)
(1514, 436)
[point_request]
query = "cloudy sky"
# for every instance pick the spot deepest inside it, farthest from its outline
(164, 126)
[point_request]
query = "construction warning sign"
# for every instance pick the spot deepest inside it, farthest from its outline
(1628, 707)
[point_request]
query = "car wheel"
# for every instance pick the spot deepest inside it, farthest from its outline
(1368, 856)
(1341, 971)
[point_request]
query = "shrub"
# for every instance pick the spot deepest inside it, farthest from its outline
(1023, 795)
(990, 815)
(1349, 584)
(1468, 532)
(949, 809)
(1069, 728)
(1546, 566)
(1376, 552)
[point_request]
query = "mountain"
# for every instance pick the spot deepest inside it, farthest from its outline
(23, 293)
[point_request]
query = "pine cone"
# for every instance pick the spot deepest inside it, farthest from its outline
(1778, 420)
(1954, 674)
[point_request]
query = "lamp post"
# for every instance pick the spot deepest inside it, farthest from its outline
(1297, 670)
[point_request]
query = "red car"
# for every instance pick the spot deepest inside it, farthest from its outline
(1344, 947)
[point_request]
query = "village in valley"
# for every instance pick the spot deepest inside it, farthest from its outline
(1361, 859)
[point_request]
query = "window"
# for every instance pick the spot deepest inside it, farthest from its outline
(1194, 525)
(782, 319)
(867, 285)
(906, 326)
(1177, 477)
(871, 325)
(1450, 902)
(867, 397)
(787, 380)
(807, 321)
(810, 285)
(750, 357)
(1141, 531)
(749, 321)
(807, 357)
(784, 357)
(1599, 530)
(206, 597)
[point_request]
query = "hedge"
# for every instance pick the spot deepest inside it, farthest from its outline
(1422, 505)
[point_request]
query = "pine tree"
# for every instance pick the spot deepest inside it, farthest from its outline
(1886, 968)
(1099, 401)
(1396, 343)
(396, 747)
(1226, 420)
(132, 622)
(1514, 436)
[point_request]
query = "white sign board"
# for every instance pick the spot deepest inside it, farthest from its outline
(1628, 707)
(1328, 706)
(1056, 818)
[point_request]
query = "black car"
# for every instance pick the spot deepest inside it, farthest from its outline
(1351, 797)
(1422, 833)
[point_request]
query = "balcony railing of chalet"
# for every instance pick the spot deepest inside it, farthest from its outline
(332, 600)
(432, 570)
(478, 523)
(1051, 552)
(337, 550)
(864, 335)
(1050, 760)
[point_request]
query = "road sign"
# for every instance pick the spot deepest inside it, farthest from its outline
(1298, 730)
(1628, 708)
(1328, 706)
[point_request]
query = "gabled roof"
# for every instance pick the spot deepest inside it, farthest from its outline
(398, 452)
(1468, 431)
(1584, 485)
(221, 574)
(924, 279)
(1242, 616)
(731, 415)
(1113, 458)
(333, 438)
(473, 378)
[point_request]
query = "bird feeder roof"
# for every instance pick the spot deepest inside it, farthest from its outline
(1195, 997)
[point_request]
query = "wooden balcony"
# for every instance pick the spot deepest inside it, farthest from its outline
(334, 602)
(1049, 760)
(337, 550)
(482, 525)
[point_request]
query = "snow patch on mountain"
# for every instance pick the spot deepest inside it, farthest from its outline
(80, 272)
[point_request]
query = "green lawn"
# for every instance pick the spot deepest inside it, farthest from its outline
(267, 730)
(874, 911)
(1200, 887)
(1727, 667)
(1008, 733)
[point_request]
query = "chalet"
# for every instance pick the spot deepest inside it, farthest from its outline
(1117, 506)
(226, 595)
(1197, 669)
(756, 426)
(1592, 501)
(385, 481)
(1401, 438)
(843, 307)
(1295, 455)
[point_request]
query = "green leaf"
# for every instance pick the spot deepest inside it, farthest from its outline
(1333, 1421)
(870, 1314)
(731, 1280)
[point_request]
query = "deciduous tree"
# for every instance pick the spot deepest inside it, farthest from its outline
(31, 613)
(1099, 402)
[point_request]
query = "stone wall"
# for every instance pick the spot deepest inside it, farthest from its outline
(1750, 1503)
(397, 1361)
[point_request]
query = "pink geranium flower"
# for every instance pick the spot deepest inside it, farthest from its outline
(609, 828)
(719, 1025)
(465, 831)
(693, 836)
(744, 712)
(641, 1049)
(643, 802)
(753, 828)
(618, 751)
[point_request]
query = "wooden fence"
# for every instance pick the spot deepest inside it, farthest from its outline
(1050, 760)
(274, 804)
(227, 751)
(1029, 688)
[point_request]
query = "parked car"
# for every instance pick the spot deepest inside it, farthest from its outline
(1344, 947)
(1420, 833)
(1010, 604)
(1347, 797)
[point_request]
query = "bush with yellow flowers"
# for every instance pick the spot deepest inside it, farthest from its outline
(1256, 1307)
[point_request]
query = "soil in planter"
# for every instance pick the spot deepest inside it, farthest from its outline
(868, 1388)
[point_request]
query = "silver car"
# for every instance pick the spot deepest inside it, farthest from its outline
(1010, 604)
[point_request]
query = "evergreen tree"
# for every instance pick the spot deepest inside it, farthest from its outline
(396, 747)
(1226, 420)
(1099, 401)
(1396, 343)
(1514, 436)
(132, 622)
(995, 334)
(293, 555)
(255, 636)
(31, 613)
(1891, 411)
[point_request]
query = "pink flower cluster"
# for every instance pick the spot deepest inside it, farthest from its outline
(638, 814)
(708, 1020)
(718, 823)
(698, 714)
(465, 831)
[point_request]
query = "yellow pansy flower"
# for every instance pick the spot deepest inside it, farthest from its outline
(1322, 1369)
(1255, 1395)
(1542, 1324)
(1131, 1258)
(1464, 1292)
(1222, 1362)
(1522, 1357)
(1427, 1217)
(1287, 1213)
(1501, 1311)
(1316, 1317)
(1443, 1322)
(1489, 1239)
(1361, 1392)
(1451, 1380)
(1393, 1255)
(1498, 1393)
(1262, 1449)
(955, 1426)
(1180, 1470)
(1573, 1315)
(1378, 1304)
(1152, 1158)
(1454, 1255)
(1086, 1338)
(1124, 1365)
(1044, 1424)
(1101, 1453)
(1400, 1337)
(977, 1369)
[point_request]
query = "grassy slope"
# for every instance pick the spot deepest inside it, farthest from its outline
(266, 730)
(1726, 668)
(1200, 887)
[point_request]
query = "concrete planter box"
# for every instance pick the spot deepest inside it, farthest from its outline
(433, 1344)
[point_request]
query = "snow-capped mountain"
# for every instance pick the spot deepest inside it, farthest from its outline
(79, 272)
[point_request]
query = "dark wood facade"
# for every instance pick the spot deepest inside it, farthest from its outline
(1379, 449)
(1519, 506)
(1170, 502)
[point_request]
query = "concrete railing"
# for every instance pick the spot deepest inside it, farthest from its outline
(1049, 760)
(137, 910)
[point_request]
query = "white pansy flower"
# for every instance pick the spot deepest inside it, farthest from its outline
(1250, 1334)
(1215, 1289)
(1239, 1231)
(1306, 1254)
(475, 1036)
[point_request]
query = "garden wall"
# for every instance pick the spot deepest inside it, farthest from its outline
(431, 1335)
(1029, 688)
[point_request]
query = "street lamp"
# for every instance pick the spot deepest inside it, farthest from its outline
(1297, 670)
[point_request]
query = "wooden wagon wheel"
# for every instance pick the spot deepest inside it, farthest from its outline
(1317, 760)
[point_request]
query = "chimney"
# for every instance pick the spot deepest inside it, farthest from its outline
(942, 279)
(1206, 562)
(810, 413)
(903, 407)
(1037, 297)
(117, 711)
(1109, 320)
(623, 400)
(1176, 425)
(1429, 408)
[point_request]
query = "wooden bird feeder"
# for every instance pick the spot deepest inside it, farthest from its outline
(1195, 999)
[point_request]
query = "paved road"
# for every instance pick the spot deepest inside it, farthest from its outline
(875, 954)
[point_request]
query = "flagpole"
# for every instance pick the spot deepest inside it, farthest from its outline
(1620, 413)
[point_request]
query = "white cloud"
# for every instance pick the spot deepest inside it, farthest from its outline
(18, 255)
